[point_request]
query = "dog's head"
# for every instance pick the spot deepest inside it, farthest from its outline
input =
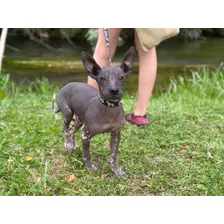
(111, 80)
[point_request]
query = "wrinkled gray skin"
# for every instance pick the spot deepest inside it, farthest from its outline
(80, 102)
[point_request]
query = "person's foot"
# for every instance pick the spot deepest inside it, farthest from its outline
(137, 120)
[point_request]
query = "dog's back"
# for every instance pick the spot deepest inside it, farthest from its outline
(75, 96)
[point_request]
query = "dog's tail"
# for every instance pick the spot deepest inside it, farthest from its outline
(52, 105)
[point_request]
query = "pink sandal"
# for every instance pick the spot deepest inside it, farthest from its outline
(137, 120)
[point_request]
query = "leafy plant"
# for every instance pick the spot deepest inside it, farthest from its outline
(91, 37)
(219, 31)
(4, 80)
(42, 86)
(191, 33)
(203, 82)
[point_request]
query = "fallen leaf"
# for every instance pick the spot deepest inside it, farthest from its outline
(145, 185)
(183, 150)
(28, 158)
(50, 153)
(103, 177)
(71, 178)
(57, 117)
(185, 147)
(210, 155)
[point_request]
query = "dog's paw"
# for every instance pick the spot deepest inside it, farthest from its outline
(94, 168)
(69, 147)
(91, 167)
(120, 173)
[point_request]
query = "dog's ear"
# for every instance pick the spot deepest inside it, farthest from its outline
(90, 64)
(128, 61)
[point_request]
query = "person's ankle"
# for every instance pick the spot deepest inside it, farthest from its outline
(140, 114)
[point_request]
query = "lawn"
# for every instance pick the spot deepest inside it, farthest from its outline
(180, 153)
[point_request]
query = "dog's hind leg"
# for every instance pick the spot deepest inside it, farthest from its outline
(68, 132)
(77, 124)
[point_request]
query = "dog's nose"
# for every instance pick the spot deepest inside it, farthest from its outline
(114, 91)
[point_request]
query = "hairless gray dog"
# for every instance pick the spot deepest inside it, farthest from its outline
(98, 111)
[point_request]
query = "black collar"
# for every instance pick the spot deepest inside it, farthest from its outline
(109, 103)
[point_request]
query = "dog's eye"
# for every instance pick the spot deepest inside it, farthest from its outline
(121, 77)
(102, 78)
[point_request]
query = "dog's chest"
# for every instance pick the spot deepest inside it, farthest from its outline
(106, 127)
(105, 121)
(112, 123)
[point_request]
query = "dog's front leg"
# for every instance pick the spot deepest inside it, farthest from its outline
(114, 144)
(85, 150)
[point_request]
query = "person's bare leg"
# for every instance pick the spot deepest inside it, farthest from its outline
(101, 51)
(147, 77)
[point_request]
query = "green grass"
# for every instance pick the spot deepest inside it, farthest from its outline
(4, 80)
(180, 153)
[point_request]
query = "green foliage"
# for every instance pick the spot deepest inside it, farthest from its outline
(85, 35)
(69, 32)
(91, 34)
(219, 31)
(91, 37)
(41, 86)
(197, 33)
(29, 32)
(46, 33)
(4, 81)
(200, 83)
(190, 33)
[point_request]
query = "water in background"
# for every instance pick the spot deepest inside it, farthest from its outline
(175, 58)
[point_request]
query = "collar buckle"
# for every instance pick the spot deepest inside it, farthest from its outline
(109, 103)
